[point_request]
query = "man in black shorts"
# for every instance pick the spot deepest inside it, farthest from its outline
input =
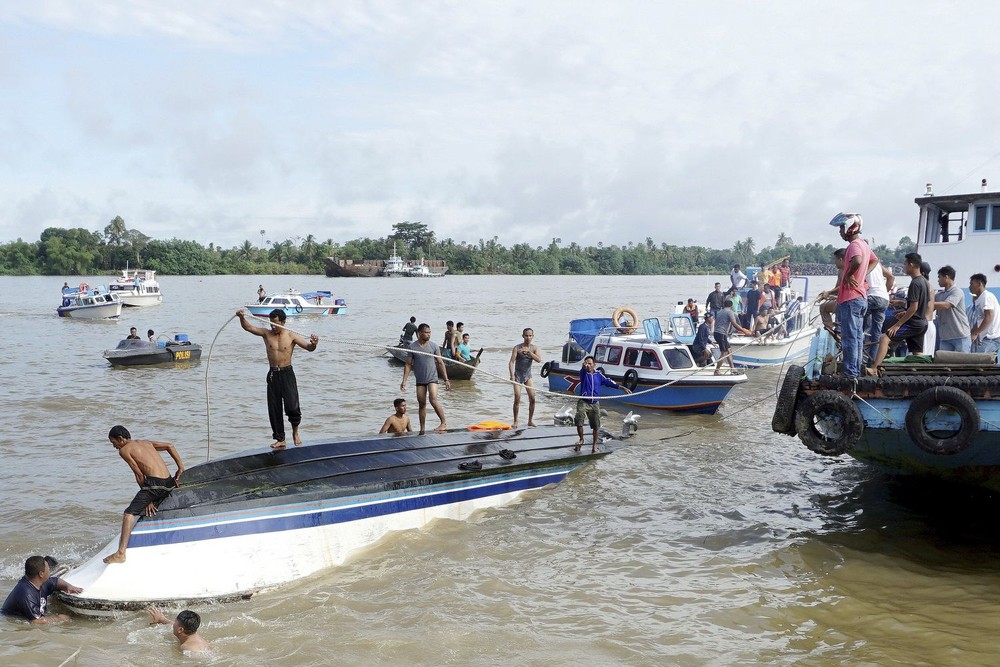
(911, 325)
(725, 321)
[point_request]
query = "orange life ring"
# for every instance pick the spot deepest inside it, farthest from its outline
(625, 328)
(83, 288)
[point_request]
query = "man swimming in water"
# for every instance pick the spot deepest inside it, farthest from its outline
(397, 423)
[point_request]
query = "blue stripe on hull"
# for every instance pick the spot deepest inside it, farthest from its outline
(155, 535)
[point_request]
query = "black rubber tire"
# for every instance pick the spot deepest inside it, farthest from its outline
(932, 400)
(298, 308)
(840, 418)
(631, 379)
(783, 420)
(545, 369)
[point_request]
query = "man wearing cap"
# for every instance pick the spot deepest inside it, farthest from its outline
(852, 291)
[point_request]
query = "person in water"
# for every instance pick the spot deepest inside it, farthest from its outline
(409, 329)
(155, 482)
(29, 598)
(282, 390)
(426, 364)
(588, 407)
(399, 422)
(520, 373)
(185, 629)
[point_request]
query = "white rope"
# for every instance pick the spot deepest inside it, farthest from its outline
(66, 661)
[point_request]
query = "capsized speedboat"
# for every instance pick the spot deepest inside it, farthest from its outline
(659, 370)
(247, 522)
(138, 352)
(295, 303)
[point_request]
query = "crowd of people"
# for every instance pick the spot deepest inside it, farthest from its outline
(872, 319)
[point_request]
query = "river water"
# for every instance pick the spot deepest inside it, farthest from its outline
(707, 540)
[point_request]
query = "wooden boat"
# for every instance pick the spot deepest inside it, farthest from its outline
(457, 370)
(660, 371)
(138, 352)
(137, 288)
(267, 517)
(87, 303)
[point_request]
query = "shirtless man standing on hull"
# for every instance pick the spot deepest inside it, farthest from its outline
(282, 389)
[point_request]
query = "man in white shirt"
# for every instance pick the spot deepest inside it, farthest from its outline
(984, 316)
(737, 277)
(880, 283)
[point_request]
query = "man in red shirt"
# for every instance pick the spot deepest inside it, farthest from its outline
(852, 291)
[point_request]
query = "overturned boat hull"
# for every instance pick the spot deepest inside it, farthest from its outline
(244, 523)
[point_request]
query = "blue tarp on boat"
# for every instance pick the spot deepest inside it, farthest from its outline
(585, 331)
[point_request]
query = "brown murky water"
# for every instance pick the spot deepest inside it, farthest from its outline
(708, 540)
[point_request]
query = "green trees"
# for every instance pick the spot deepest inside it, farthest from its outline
(78, 251)
(69, 251)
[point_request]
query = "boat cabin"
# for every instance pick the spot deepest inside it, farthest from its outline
(648, 349)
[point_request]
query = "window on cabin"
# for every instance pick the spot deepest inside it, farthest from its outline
(682, 327)
(678, 358)
(607, 355)
(995, 217)
(981, 214)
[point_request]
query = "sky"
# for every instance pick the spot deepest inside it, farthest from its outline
(690, 123)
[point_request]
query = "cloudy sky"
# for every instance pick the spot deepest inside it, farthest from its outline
(591, 121)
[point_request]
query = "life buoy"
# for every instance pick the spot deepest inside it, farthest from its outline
(942, 401)
(829, 423)
(298, 308)
(545, 369)
(783, 420)
(625, 328)
(631, 379)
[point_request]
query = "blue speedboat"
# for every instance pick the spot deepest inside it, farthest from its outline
(263, 518)
(660, 371)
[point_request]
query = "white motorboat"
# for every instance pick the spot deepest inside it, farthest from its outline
(137, 287)
(87, 303)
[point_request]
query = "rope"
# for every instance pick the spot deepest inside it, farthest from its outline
(66, 661)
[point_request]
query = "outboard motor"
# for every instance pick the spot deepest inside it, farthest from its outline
(565, 416)
(630, 424)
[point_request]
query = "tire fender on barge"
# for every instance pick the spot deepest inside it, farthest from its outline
(932, 402)
(829, 423)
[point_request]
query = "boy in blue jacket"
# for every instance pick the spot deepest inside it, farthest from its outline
(589, 405)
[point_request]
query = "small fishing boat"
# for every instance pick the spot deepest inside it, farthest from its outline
(457, 369)
(268, 517)
(138, 352)
(938, 418)
(295, 303)
(660, 371)
(757, 351)
(137, 287)
(89, 303)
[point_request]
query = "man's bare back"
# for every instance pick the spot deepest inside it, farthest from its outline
(396, 424)
(146, 457)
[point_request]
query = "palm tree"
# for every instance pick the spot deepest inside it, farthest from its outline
(246, 252)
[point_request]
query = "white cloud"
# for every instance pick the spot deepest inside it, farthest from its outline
(691, 123)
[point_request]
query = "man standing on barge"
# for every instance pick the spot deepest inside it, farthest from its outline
(852, 291)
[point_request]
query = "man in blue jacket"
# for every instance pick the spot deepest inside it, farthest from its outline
(588, 407)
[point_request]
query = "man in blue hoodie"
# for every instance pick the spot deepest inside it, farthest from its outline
(589, 405)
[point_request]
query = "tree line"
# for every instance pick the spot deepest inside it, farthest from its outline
(79, 251)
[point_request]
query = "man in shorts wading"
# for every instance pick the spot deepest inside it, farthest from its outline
(426, 364)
